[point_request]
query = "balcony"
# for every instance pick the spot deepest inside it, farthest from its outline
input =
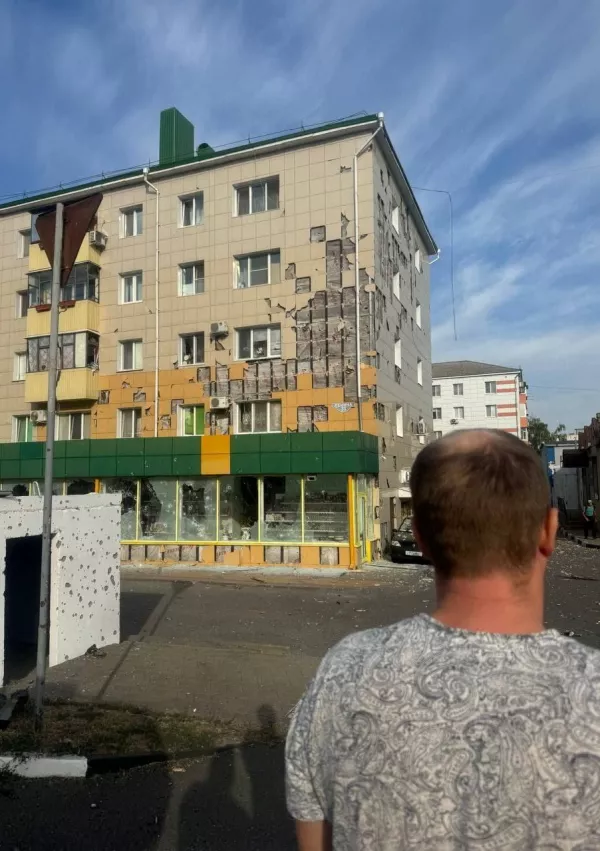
(38, 260)
(74, 316)
(73, 385)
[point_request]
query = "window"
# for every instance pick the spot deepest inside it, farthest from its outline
(437, 434)
(259, 417)
(396, 218)
(418, 261)
(73, 426)
(191, 278)
(491, 411)
(128, 490)
(282, 513)
(192, 349)
(490, 386)
(238, 508)
(75, 351)
(130, 422)
(418, 314)
(191, 420)
(436, 389)
(22, 429)
(257, 197)
(132, 221)
(437, 413)
(131, 287)
(20, 366)
(192, 210)
(457, 389)
(22, 303)
(326, 508)
(198, 510)
(459, 413)
(81, 285)
(158, 498)
(255, 269)
(130, 355)
(420, 371)
(398, 353)
(396, 285)
(260, 342)
(399, 421)
(24, 243)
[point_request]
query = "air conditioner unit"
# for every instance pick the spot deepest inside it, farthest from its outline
(219, 329)
(453, 422)
(97, 239)
(219, 402)
(39, 417)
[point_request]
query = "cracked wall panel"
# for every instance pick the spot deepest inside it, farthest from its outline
(278, 375)
(304, 419)
(250, 381)
(291, 368)
(236, 389)
(304, 367)
(333, 264)
(222, 380)
(264, 379)
(303, 284)
(319, 373)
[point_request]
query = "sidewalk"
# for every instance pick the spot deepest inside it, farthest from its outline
(578, 537)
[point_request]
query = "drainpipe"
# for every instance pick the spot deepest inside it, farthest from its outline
(156, 301)
(357, 264)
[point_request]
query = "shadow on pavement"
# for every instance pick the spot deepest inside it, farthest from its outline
(136, 608)
(240, 804)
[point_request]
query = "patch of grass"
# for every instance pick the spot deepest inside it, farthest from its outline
(90, 730)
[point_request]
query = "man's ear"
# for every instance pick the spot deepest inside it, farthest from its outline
(420, 540)
(548, 533)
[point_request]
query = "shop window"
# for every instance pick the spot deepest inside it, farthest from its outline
(16, 488)
(157, 509)
(326, 508)
(128, 490)
(238, 509)
(282, 517)
(78, 487)
(198, 510)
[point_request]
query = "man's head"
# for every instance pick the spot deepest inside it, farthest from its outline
(481, 504)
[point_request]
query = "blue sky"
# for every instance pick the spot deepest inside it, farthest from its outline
(496, 102)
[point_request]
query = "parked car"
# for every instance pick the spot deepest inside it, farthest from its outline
(404, 546)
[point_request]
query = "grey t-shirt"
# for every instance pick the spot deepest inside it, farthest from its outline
(418, 736)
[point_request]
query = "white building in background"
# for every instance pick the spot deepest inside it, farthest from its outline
(470, 394)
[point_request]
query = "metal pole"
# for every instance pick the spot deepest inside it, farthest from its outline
(44, 613)
(357, 293)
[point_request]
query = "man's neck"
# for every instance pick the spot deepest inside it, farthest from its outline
(490, 604)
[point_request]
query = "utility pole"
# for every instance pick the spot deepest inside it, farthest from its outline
(61, 233)
(44, 618)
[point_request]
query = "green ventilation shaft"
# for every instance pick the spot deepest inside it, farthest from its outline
(176, 137)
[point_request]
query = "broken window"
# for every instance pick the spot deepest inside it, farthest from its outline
(128, 490)
(253, 270)
(74, 351)
(157, 509)
(326, 508)
(261, 342)
(81, 285)
(80, 487)
(191, 420)
(282, 517)
(198, 510)
(257, 197)
(238, 508)
(259, 417)
(192, 349)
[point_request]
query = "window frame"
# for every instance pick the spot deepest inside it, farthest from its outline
(194, 362)
(399, 424)
(398, 353)
(458, 389)
(435, 387)
(21, 301)
(17, 371)
(137, 220)
(192, 265)
(121, 359)
(420, 371)
(418, 260)
(181, 420)
(70, 419)
(24, 244)
(491, 384)
(137, 422)
(248, 257)
(193, 197)
(139, 287)
(26, 420)
(269, 403)
(251, 185)
(459, 412)
(418, 315)
(493, 409)
(42, 341)
(251, 329)
(437, 414)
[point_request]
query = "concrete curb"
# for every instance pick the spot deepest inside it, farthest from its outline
(34, 766)
(583, 542)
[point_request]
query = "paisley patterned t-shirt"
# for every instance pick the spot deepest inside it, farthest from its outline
(418, 736)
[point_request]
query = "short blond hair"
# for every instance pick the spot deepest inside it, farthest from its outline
(479, 499)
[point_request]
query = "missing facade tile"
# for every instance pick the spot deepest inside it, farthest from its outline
(139, 396)
(165, 421)
(203, 374)
(329, 556)
(175, 404)
(303, 285)
(333, 264)
(290, 272)
(104, 397)
(317, 234)
(345, 221)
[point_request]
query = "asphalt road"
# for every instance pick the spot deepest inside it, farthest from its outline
(235, 799)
